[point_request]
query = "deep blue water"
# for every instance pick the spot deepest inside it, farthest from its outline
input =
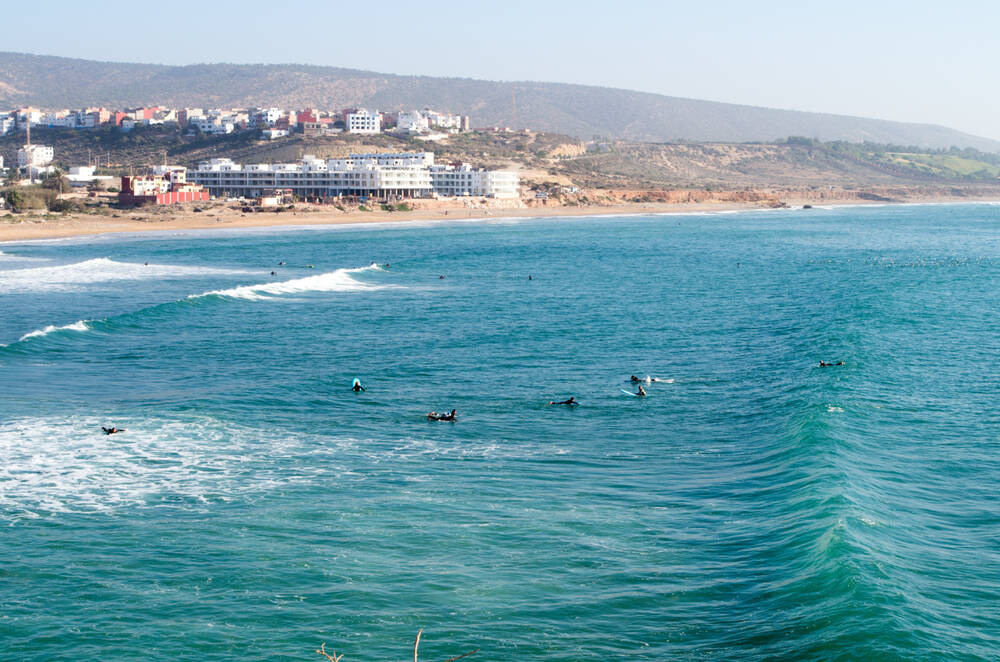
(754, 506)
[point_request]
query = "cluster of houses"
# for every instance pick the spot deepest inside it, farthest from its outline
(271, 122)
(383, 176)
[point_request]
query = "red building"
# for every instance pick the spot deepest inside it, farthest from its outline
(158, 190)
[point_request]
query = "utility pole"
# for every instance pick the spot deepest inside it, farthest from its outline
(513, 107)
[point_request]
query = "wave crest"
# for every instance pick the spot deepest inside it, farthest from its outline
(339, 280)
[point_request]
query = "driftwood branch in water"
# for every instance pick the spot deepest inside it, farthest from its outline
(416, 645)
(332, 658)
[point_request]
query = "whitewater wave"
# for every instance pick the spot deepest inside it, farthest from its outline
(82, 325)
(66, 464)
(73, 277)
(339, 280)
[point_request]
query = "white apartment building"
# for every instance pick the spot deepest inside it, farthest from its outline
(412, 122)
(464, 180)
(266, 117)
(7, 125)
(363, 121)
(28, 115)
(382, 176)
(211, 125)
(34, 156)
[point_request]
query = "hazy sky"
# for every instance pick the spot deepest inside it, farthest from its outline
(915, 61)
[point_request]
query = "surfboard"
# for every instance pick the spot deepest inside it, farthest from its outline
(634, 395)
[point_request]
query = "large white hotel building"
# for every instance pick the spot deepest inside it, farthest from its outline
(382, 176)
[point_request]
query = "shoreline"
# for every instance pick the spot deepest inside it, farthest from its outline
(182, 219)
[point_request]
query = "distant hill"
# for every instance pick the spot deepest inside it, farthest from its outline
(578, 110)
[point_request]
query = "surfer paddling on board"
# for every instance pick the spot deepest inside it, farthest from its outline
(112, 430)
(357, 387)
(824, 364)
(571, 401)
(434, 416)
(642, 391)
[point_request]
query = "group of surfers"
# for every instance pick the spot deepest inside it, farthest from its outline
(453, 414)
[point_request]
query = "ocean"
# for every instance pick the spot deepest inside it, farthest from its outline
(753, 506)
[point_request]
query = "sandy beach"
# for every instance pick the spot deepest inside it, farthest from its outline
(217, 214)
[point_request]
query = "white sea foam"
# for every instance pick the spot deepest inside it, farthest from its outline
(76, 276)
(82, 325)
(62, 465)
(339, 280)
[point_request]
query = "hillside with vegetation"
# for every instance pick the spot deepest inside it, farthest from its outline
(578, 110)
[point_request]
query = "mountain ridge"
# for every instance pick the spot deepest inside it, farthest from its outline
(580, 110)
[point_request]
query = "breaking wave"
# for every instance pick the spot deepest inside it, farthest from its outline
(82, 325)
(72, 277)
(339, 280)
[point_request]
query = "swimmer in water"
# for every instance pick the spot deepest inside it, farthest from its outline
(434, 416)
(112, 430)
(634, 379)
(642, 391)
(571, 401)
(357, 386)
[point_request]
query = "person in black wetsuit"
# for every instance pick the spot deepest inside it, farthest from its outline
(642, 391)
(357, 386)
(112, 430)
(434, 416)
(571, 401)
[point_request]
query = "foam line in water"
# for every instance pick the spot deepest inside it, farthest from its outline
(339, 280)
(72, 277)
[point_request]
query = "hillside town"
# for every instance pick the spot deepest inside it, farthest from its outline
(362, 176)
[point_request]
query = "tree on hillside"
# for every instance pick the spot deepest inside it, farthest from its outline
(57, 182)
(15, 200)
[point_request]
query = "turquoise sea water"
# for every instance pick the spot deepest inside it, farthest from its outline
(755, 507)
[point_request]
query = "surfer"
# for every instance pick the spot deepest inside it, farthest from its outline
(281, 264)
(634, 379)
(357, 387)
(529, 277)
(571, 401)
(440, 277)
(112, 430)
(641, 392)
(451, 416)
(823, 364)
